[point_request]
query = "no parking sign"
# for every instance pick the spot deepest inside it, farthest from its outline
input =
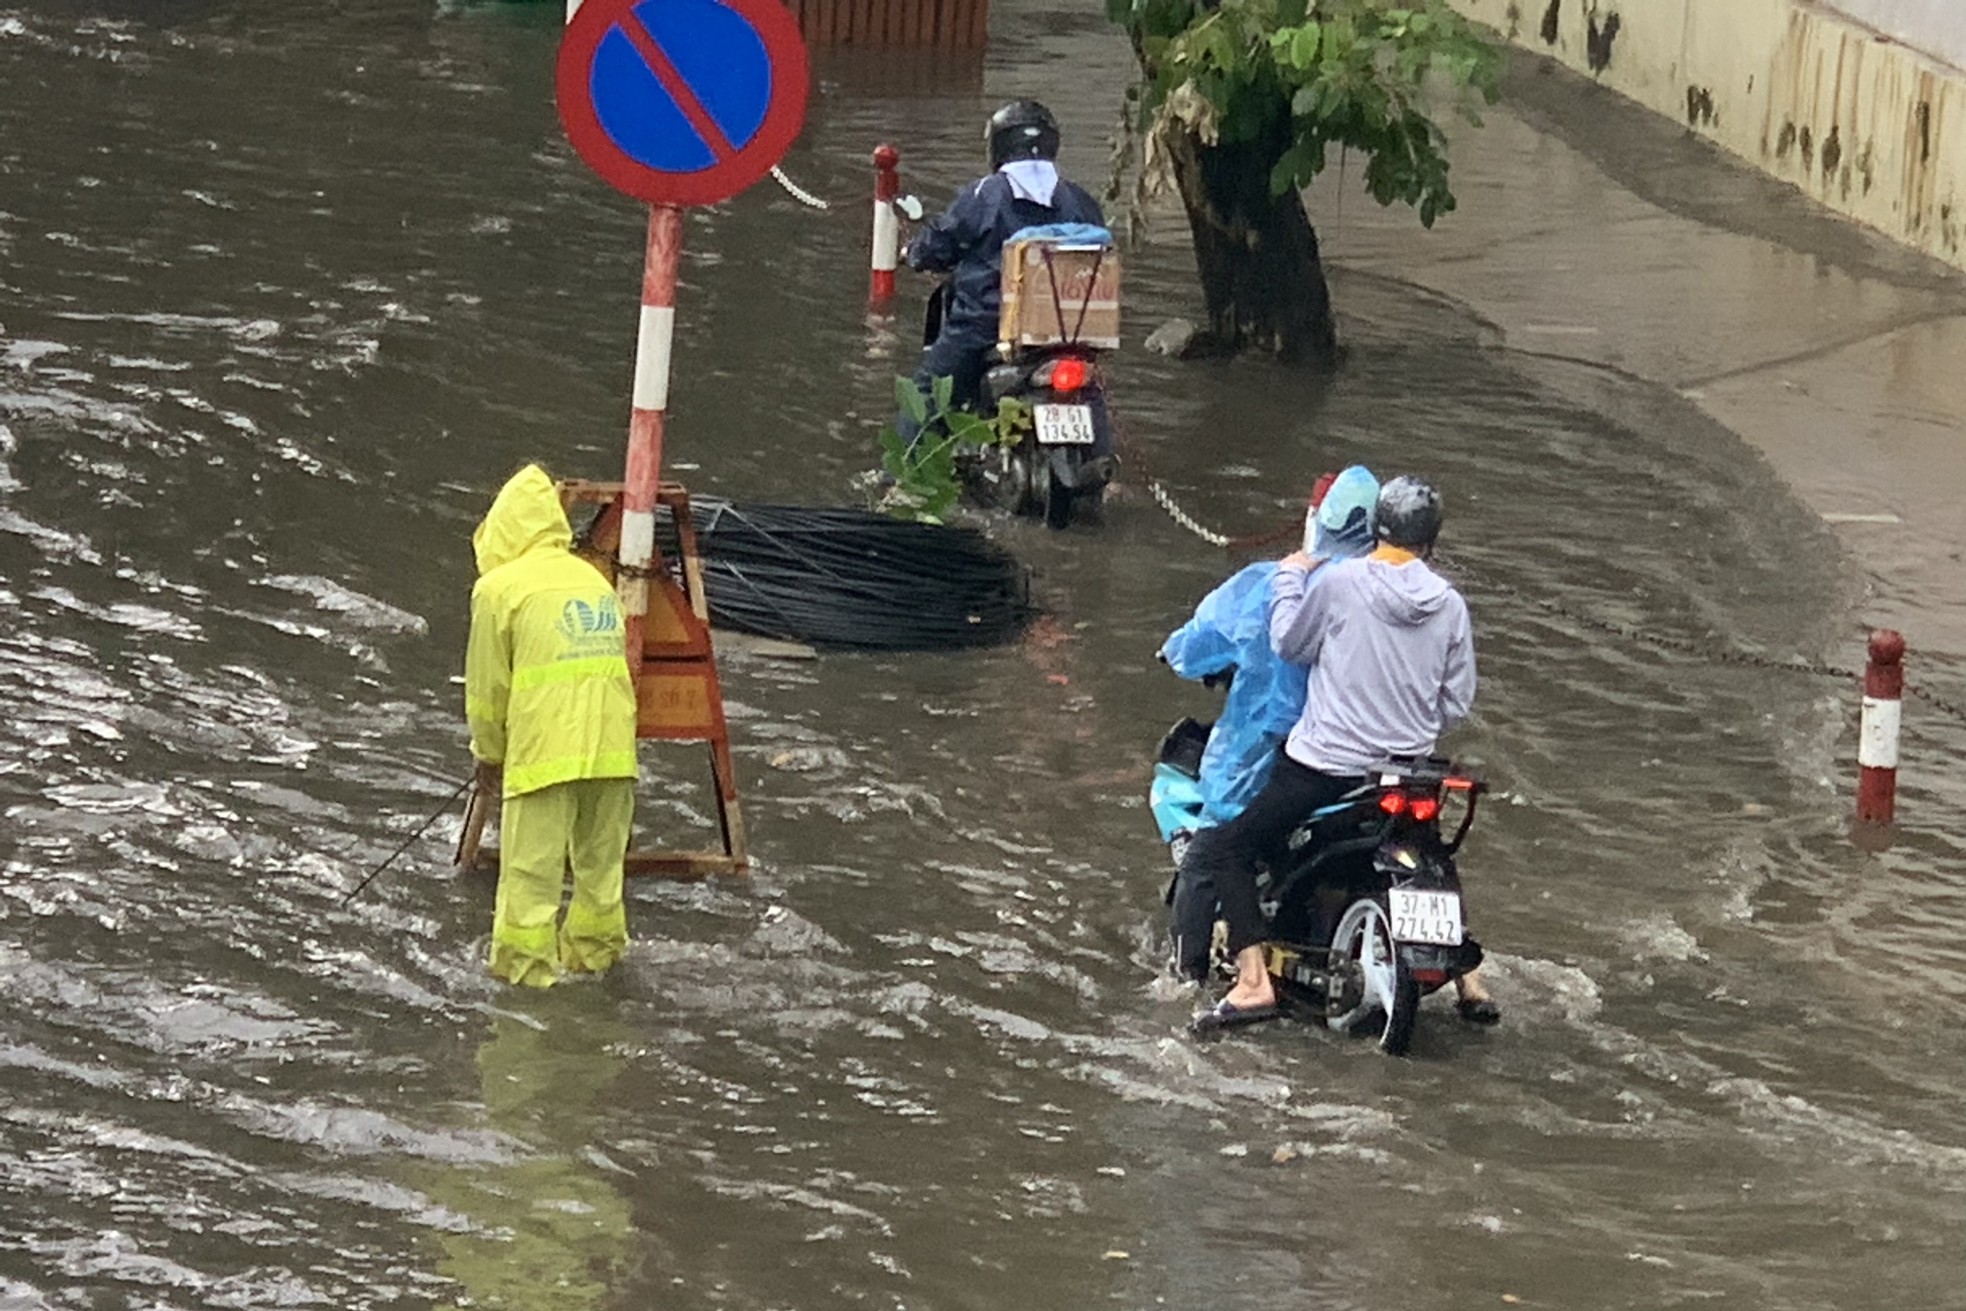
(682, 102)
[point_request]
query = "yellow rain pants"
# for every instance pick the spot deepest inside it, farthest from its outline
(583, 825)
(547, 694)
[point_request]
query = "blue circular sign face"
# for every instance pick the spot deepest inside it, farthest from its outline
(682, 101)
(713, 58)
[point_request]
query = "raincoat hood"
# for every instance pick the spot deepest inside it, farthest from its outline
(1341, 525)
(1403, 588)
(524, 517)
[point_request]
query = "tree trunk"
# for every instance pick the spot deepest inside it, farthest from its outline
(1257, 253)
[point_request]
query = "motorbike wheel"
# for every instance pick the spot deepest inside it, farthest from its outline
(1390, 1004)
(1020, 480)
(1057, 502)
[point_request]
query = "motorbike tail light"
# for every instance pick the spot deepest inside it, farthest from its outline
(1393, 803)
(1425, 808)
(1458, 784)
(1069, 374)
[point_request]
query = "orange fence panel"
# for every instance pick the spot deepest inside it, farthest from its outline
(943, 24)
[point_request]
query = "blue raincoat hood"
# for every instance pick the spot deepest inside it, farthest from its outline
(1230, 629)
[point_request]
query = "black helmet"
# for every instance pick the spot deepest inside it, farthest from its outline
(1409, 513)
(1022, 129)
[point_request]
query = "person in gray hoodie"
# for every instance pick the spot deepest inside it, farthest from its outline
(1393, 667)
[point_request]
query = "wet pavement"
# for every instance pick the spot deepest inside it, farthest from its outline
(286, 295)
(1642, 250)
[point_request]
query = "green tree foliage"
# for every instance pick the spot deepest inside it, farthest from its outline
(1348, 73)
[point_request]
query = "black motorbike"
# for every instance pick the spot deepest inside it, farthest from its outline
(1365, 912)
(1061, 466)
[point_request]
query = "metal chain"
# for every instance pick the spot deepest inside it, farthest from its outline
(1131, 454)
(1699, 650)
(1936, 702)
(797, 192)
(1703, 650)
(1182, 517)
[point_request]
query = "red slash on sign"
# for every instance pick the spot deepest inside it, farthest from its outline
(678, 89)
(682, 102)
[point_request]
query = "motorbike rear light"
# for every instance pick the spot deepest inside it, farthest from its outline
(1069, 374)
(1393, 803)
(1458, 784)
(1424, 808)
(1430, 978)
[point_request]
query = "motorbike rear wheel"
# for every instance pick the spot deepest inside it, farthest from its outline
(1057, 502)
(1390, 1004)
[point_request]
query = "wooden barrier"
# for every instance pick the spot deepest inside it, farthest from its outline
(926, 24)
(678, 698)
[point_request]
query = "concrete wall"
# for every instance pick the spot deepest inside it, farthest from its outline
(1938, 27)
(1872, 127)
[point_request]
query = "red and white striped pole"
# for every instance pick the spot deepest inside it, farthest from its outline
(643, 476)
(653, 344)
(887, 225)
(1877, 738)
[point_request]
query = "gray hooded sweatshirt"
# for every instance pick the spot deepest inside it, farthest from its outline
(1392, 656)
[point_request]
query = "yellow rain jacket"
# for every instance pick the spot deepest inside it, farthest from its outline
(545, 676)
(546, 690)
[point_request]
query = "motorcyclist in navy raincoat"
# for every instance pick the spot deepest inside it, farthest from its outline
(1023, 190)
(1229, 634)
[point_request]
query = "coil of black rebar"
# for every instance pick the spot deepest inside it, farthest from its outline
(854, 579)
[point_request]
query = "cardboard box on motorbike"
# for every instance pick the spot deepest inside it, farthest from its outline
(1056, 292)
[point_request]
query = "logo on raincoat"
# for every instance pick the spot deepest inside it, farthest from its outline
(590, 627)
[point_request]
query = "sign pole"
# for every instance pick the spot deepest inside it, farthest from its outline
(654, 342)
(675, 103)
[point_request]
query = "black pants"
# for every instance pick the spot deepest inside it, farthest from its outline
(1191, 907)
(960, 353)
(1228, 854)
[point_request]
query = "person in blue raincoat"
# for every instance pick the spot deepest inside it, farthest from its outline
(1230, 634)
(1022, 190)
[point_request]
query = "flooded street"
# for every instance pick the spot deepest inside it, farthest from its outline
(287, 292)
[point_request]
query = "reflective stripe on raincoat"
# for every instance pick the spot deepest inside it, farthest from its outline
(546, 685)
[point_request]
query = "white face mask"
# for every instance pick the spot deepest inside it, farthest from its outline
(1032, 179)
(1310, 529)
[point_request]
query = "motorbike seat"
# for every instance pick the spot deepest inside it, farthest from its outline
(1328, 824)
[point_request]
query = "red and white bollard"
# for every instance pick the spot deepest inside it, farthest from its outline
(1877, 738)
(887, 225)
(653, 344)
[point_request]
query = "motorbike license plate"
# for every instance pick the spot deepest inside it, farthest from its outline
(1064, 425)
(1429, 917)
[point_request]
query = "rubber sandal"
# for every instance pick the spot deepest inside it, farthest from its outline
(1226, 1015)
(1479, 1010)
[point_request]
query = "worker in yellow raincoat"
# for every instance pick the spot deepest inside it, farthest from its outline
(547, 694)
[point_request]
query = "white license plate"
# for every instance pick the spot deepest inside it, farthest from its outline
(1430, 917)
(1064, 425)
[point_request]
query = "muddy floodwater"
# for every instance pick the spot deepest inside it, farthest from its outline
(286, 291)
